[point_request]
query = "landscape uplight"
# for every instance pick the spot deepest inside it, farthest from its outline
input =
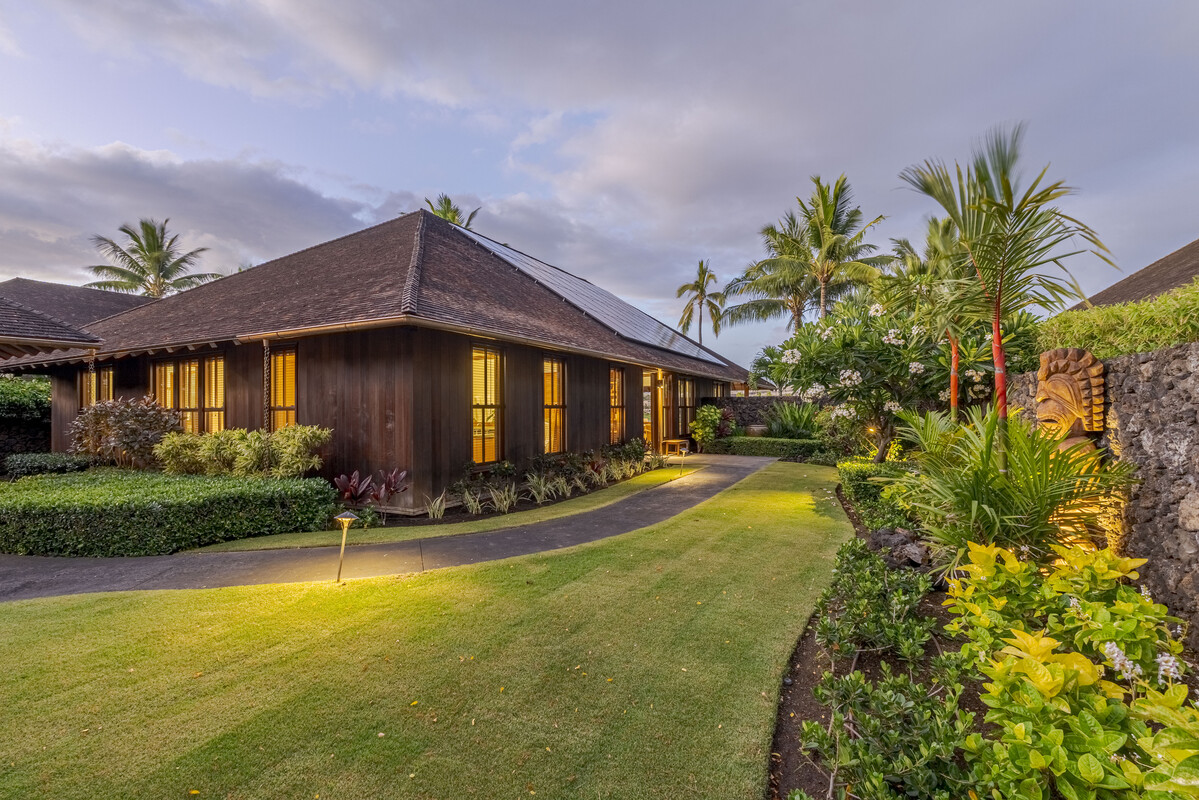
(346, 518)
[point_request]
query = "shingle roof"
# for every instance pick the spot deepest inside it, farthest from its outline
(1177, 269)
(74, 305)
(418, 268)
(24, 330)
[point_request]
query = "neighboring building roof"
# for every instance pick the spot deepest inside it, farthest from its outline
(24, 331)
(416, 270)
(74, 305)
(1177, 269)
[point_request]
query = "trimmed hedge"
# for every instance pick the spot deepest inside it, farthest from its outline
(18, 465)
(114, 512)
(1117, 330)
(787, 449)
(24, 399)
(857, 478)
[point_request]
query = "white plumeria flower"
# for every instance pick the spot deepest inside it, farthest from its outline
(893, 337)
(974, 375)
(916, 368)
(876, 310)
(790, 357)
(892, 406)
(918, 331)
(825, 333)
(944, 395)
(843, 411)
(812, 392)
(851, 377)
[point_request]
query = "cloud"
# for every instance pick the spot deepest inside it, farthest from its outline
(53, 198)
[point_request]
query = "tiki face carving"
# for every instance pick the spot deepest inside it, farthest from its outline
(1069, 397)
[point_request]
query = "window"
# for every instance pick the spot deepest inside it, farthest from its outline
(97, 386)
(648, 380)
(722, 389)
(188, 378)
(164, 384)
(485, 405)
(214, 393)
(553, 371)
(615, 405)
(196, 387)
(283, 388)
(685, 407)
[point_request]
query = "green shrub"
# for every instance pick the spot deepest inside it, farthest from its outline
(18, 465)
(122, 431)
(786, 449)
(712, 423)
(863, 481)
(24, 399)
(287, 453)
(112, 512)
(792, 421)
(1116, 330)
(1045, 497)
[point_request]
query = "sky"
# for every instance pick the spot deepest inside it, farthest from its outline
(622, 141)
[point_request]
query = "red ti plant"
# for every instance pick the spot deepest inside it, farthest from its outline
(389, 484)
(1009, 235)
(354, 488)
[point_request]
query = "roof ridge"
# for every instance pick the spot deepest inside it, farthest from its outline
(410, 297)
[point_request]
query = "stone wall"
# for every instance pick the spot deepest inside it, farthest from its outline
(747, 410)
(1152, 420)
(23, 436)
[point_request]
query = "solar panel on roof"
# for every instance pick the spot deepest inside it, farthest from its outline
(630, 322)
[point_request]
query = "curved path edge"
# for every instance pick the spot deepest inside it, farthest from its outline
(27, 577)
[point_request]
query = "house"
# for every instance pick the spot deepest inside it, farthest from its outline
(1177, 269)
(77, 306)
(25, 331)
(423, 345)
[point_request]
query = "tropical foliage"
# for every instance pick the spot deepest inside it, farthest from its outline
(447, 210)
(701, 298)
(150, 262)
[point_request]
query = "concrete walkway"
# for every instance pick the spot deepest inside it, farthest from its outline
(24, 577)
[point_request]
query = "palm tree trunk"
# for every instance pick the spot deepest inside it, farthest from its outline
(700, 301)
(999, 357)
(954, 359)
(823, 310)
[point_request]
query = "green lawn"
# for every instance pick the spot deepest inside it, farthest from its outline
(576, 505)
(642, 666)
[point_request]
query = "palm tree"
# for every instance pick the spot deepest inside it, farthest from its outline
(1008, 235)
(935, 287)
(699, 296)
(780, 285)
(150, 262)
(835, 237)
(446, 209)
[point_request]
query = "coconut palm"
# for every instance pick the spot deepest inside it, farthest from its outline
(150, 262)
(1009, 236)
(700, 296)
(836, 238)
(446, 209)
(781, 285)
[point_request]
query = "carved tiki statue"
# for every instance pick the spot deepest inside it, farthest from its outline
(1069, 397)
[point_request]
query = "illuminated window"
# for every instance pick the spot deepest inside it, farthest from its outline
(196, 387)
(647, 405)
(188, 378)
(555, 405)
(722, 389)
(97, 386)
(283, 388)
(615, 405)
(214, 393)
(485, 405)
(685, 405)
(164, 384)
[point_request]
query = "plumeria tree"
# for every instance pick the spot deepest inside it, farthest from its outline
(870, 365)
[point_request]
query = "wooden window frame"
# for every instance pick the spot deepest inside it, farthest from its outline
(616, 405)
(195, 418)
(553, 408)
(495, 393)
(288, 413)
(212, 415)
(97, 386)
(684, 392)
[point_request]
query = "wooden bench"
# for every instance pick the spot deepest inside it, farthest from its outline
(675, 447)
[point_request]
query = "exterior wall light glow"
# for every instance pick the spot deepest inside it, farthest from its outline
(346, 518)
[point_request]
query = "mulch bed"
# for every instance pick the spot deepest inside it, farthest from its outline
(790, 767)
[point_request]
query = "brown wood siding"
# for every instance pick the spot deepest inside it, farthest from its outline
(441, 426)
(524, 403)
(64, 407)
(632, 402)
(243, 386)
